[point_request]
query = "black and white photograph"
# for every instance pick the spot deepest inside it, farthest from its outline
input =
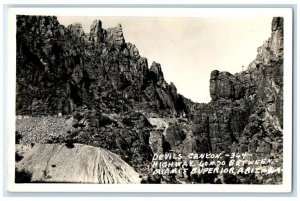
(151, 100)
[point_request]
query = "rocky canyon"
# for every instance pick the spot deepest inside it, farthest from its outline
(91, 100)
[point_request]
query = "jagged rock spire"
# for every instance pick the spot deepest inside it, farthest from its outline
(96, 31)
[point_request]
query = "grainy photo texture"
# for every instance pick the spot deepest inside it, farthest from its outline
(91, 109)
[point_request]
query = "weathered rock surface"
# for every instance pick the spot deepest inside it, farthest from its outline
(80, 164)
(225, 85)
(60, 68)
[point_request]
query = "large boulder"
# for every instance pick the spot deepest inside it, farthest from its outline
(225, 85)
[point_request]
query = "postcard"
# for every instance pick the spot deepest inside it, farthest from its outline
(150, 99)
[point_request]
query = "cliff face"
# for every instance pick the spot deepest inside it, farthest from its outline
(245, 113)
(60, 69)
(113, 99)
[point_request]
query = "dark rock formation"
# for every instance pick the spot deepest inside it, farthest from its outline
(225, 85)
(96, 32)
(60, 68)
(239, 99)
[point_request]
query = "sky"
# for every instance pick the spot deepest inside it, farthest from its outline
(189, 48)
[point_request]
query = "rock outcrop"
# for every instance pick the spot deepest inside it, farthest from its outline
(225, 85)
(252, 98)
(60, 69)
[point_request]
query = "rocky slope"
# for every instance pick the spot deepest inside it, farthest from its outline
(56, 163)
(110, 97)
(61, 68)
